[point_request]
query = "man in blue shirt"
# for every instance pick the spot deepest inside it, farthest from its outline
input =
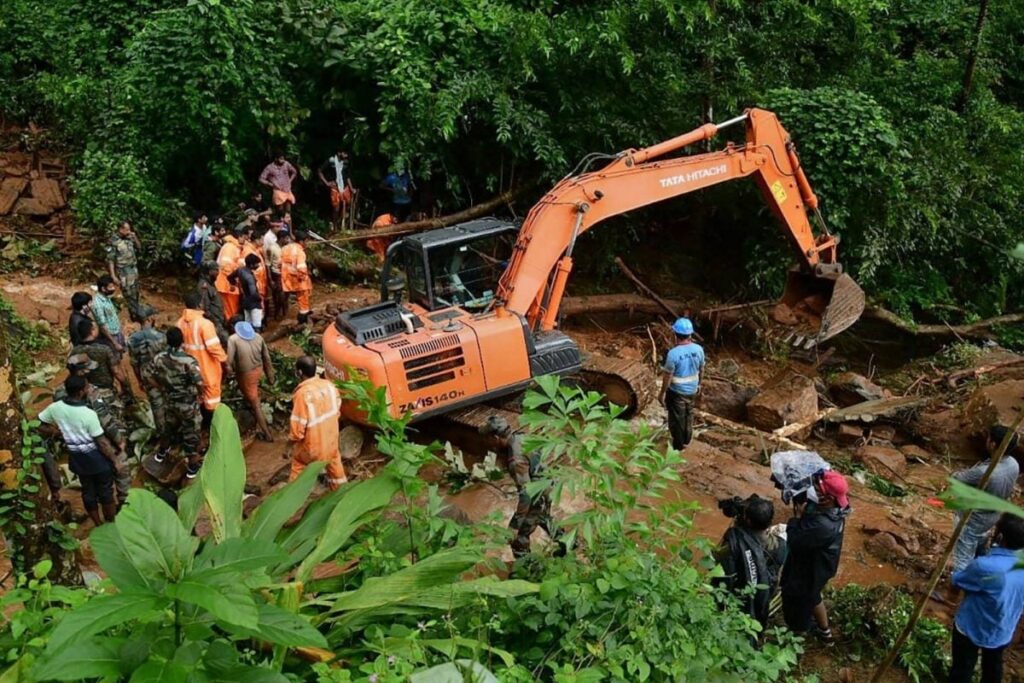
(993, 601)
(680, 382)
(399, 183)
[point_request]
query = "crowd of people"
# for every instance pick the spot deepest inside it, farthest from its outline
(245, 276)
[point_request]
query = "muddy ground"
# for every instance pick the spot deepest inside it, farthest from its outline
(891, 540)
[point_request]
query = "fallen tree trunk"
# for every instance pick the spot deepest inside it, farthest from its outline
(475, 211)
(747, 429)
(358, 271)
(981, 328)
(647, 291)
(611, 303)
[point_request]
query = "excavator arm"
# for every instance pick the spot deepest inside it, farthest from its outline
(534, 283)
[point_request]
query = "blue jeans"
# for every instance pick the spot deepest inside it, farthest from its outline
(973, 537)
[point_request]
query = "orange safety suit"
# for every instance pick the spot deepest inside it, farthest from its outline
(201, 343)
(229, 258)
(295, 274)
(379, 245)
(261, 274)
(316, 410)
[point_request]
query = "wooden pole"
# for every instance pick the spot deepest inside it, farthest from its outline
(645, 290)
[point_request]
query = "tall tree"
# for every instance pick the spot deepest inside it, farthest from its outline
(972, 56)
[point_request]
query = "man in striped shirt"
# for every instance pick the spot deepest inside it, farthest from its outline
(316, 410)
(91, 456)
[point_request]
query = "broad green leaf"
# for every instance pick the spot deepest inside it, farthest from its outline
(348, 515)
(190, 502)
(961, 496)
(160, 671)
(440, 569)
(281, 627)
(233, 605)
(299, 540)
(87, 658)
(103, 612)
(459, 671)
(234, 555)
(449, 647)
(266, 521)
(223, 476)
(113, 559)
(153, 538)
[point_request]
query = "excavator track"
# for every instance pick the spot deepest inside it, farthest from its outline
(628, 383)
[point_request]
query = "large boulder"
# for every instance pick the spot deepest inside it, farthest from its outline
(790, 400)
(725, 399)
(881, 460)
(992, 404)
(849, 388)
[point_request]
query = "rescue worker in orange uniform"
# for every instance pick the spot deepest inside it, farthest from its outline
(252, 247)
(295, 273)
(314, 424)
(229, 258)
(201, 343)
(379, 245)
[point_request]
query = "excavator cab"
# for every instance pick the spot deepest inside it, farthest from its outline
(456, 266)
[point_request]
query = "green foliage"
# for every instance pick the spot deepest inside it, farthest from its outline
(633, 611)
(872, 618)
(26, 339)
(18, 502)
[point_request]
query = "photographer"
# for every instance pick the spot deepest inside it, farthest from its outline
(749, 555)
(815, 539)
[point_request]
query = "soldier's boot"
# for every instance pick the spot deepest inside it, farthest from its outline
(109, 512)
(303, 318)
(94, 515)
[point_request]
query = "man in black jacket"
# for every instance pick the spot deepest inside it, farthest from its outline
(815, 539)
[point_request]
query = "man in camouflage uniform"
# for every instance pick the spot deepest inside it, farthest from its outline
(212, 245)
(143, 346)
(123, 264)
(107, 375)
(110, 419)
(177, 375)
(210, 301)
(534, 510)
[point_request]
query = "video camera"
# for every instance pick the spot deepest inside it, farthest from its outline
(733, 507)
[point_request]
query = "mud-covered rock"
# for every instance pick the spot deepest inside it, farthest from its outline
(885, 547)
(725, 399)
(790, 400)
(993, 404)
(882, 460)
(915, 452)
(849, 389)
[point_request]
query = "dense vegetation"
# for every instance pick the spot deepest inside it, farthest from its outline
(375, 576)
(908, 113)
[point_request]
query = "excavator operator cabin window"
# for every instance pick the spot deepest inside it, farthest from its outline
(466, 274)
(416, 277)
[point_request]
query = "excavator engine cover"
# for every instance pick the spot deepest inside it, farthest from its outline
(818, 307)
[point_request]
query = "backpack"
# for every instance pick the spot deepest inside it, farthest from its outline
(747, 563)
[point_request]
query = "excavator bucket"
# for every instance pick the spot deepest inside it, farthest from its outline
(818, 307)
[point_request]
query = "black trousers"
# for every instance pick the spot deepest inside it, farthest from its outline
(965, 659)
(97, 489)
(680, 418)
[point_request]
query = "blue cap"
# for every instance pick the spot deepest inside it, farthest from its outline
(245, 331)
(683, 326)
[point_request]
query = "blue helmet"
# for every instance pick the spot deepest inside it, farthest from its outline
(683, 326)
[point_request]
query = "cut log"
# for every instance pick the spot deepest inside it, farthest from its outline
(981, 328)
(10, 190)
(798, 427)
(869, 411)
(47, 191)
(793, 399)
(476, 211)
(783, 441)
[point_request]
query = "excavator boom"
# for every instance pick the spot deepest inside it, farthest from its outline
(534, 283)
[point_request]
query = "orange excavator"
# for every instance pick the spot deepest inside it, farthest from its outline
(481, 317)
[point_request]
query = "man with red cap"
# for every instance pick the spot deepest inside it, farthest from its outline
(815, 539)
